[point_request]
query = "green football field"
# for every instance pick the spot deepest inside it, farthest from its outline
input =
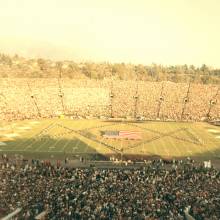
(58, 138)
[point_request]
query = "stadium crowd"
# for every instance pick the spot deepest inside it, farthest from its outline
(33, 98)
(154, 191)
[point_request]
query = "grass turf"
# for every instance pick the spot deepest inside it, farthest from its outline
(65, 137)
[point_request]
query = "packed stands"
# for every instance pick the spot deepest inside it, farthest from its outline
(30, 98)
(155, 191)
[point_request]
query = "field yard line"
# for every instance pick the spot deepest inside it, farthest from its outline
(76, 145)
(11, 150)
(29, 145)
(14, 145)
(32, 142)
(88, 139)
(37, 149)
(48, 151)
(23, 142)
(57, 141)
(66, 144)
(53, 145)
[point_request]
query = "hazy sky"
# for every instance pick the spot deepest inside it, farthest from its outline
(137, 31)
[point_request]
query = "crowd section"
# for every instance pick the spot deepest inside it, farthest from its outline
(202, 98)
(32, 98)
(154, 191)
(174, 94)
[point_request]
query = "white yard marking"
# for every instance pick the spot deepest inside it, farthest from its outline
(37, 148)
(17, 150)
(189, 151)
(50, 151)
(74, 149)
(213, 130)
(11, 135)
(217, 137)
(54, 144)
(2, 143)
(24, 128)
(51, 147)
(4, 129)
(66, 144)
(68, 136)
(21, 131)
(34, 122)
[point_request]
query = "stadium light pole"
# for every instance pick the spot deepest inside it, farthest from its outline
(34, 100)
(61, 94)
(161, 99)
(212, 102)
(136, 101)
(185, 101)
(111, 100)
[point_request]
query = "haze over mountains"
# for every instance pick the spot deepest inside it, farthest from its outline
(35, 49)
(141, 31)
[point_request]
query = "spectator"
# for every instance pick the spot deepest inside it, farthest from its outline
(152, 192)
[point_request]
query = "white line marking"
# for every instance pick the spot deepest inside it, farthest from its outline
(213, 130)
(66, 144)
(11, 135)
(34, 122)
(24, 128)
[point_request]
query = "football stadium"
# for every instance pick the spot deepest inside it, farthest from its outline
(109, 110)
(98, 119)
(99, 128)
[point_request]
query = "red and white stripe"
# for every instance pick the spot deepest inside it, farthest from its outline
(134, 135)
